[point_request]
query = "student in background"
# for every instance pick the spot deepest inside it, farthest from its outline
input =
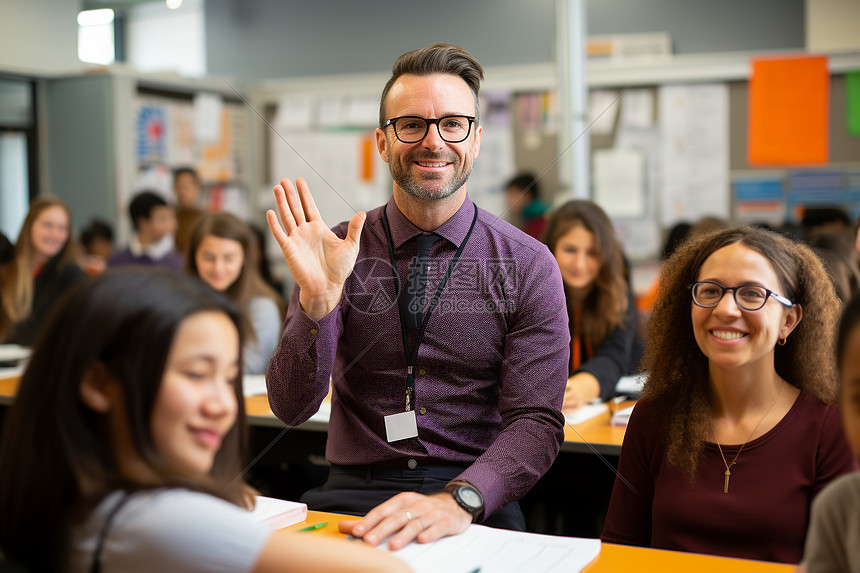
(602, 317)
(152, 245)
(187, 188)
(223, 253)
(97, 241)
(736, 432)
(42, 269)
(841, 261)
(522, 196)
(136, 468)
(831, 545)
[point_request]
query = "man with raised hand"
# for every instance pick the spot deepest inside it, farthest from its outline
(442, 328)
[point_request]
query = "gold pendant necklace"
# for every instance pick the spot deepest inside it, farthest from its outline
(728, 473)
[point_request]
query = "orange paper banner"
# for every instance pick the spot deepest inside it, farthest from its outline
(788, 110)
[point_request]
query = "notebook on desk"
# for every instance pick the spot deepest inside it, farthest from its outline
(279, 513)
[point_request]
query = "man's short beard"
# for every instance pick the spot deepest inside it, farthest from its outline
(414, 188)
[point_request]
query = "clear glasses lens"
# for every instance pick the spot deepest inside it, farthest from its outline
(748, 297)
(452, 128)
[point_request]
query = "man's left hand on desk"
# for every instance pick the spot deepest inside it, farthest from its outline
(412, 517)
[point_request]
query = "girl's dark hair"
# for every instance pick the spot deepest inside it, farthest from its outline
(605, 306)
(56, 463)
(849, 321)
(250, 283)
(678, 370)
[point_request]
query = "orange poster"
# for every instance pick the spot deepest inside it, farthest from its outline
(788, 110)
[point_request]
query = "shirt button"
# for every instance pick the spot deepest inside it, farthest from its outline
(313, 331)
(422, 372)
(422, 410)
(412, 464)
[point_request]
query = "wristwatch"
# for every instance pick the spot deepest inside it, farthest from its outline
(467, 497)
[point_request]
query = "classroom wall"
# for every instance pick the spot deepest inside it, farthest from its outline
(40, 35)
(263, 39)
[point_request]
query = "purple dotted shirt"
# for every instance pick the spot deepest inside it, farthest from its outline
(490, 374)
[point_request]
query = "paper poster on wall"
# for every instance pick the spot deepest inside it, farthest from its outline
(295, 113)
(619, 182)
(207, 117)
(151, 125)
(852, 102)
(641, 237)
(694, 120)
(788, 110)
(759, 199)
(602, 110)
(637, 109)
(332, 164)
(493, 167)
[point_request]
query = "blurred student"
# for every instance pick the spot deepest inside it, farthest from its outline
(602, 317)
(841, 261)
(42, 269)
(736, 432)
(152, 244)
(223, 253)
(137, 468)
(188, 191)
(831, 545)
(97, 242)
(522, 196)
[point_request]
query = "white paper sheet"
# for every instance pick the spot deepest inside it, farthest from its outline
(619, 182)
(491, 550)
(207, 117)
(602, 109)
(695, 147)
(637, 109)
(253, 384)
(586, 412)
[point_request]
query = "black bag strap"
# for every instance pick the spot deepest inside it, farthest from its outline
(97, 556)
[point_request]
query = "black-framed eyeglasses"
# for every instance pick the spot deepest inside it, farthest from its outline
(412, 129)
(748, 297)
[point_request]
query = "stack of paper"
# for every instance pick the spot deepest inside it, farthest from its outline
(621, 417)
(279, 513)
(585, 412)
(490, 550)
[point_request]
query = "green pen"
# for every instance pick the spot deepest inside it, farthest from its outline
(319, 525)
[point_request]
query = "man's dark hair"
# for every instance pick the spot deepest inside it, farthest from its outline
(439, 58)
(95, 229)
(143, 204)
(527, 182)
(185, 169)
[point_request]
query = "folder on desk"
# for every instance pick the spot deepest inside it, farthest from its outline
(279, 513)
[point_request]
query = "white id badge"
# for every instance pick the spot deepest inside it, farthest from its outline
(401, 426)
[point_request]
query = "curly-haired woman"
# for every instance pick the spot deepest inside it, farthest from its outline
(737, 431)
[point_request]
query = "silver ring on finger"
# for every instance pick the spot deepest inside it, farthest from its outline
(408, 516)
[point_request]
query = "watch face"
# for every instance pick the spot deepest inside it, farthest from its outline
(470, 497)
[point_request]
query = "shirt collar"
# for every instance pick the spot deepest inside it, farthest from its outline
(453, 230)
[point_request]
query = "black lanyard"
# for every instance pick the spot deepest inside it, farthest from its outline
(412, 357)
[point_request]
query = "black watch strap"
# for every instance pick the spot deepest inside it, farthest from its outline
(468, 497)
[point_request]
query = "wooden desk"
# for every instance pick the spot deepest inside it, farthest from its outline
(614, 558)
(8, 389)
(592, 436)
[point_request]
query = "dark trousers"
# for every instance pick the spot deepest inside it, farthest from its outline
(355, 490)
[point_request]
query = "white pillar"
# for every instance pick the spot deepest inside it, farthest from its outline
(574, 144)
